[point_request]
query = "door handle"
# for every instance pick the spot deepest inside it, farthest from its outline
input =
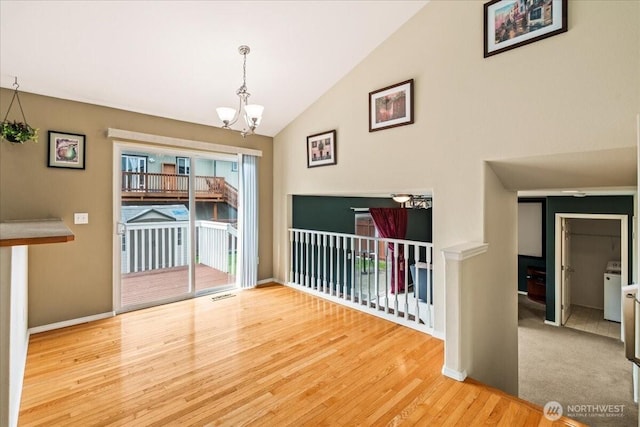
(121, 228)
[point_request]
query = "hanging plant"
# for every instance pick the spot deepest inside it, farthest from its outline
(18, 132)
(15, 131)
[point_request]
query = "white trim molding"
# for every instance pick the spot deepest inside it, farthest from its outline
(464, 251)
(179, 142)
(71, 322)
(456, 375)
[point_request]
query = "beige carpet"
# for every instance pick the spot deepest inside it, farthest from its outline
(582, 371)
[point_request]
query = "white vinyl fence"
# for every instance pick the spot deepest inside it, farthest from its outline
(157, 245)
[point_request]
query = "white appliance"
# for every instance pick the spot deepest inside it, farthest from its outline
(613, 291)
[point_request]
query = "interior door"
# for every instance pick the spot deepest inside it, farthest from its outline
(566, 270)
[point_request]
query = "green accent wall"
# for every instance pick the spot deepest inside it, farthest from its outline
(334, 214)
(523, 263)
(618, 205)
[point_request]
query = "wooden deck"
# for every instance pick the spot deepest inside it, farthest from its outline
(266, 357)
(154, 285)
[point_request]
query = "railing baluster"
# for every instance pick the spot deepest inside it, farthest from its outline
(416, 281)
(291, 278)
(128, 242)
(331, 274)
(165, 248)
(135, 250)
(297, 239)
(376, 273)
(156, 249)
(344, 268)
(170, 238)
(396, 275)
(306, 259)
(363, 265)
(338, 278)
(387, 277)
(405, 265)
(312, 241)
(324, 263)
(353, 269)
(429, 285)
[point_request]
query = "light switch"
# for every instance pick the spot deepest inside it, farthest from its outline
(81, 218)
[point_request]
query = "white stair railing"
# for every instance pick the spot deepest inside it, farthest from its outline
(357, 271)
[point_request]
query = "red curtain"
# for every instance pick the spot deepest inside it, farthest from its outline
(392, 223)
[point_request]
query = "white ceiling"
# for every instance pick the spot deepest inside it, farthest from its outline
(179, 59)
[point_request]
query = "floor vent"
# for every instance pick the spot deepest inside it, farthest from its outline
(219, 297)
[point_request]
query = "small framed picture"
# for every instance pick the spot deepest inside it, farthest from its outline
(321, 149)
(66, 150)
(391, 106)
(509, 24)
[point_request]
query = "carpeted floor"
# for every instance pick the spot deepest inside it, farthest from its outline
(575, 368)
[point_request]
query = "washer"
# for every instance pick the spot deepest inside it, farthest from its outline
(613, 291)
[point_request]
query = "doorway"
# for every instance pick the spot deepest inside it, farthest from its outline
(584, 243)
(169, 246)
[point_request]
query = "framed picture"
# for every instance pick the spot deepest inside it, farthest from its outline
(512, 23)
(66, 150)
(391, 106)
(321, 149)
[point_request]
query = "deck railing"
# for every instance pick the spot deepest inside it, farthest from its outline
(396, 284)
(159, 185)
(217, 245)
(157, 245)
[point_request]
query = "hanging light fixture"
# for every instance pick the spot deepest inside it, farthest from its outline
(252, 112)
(412, 201)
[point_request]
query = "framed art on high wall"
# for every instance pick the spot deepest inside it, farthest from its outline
(391, 106)
(66, 150)
(321, 149)
(512, 23)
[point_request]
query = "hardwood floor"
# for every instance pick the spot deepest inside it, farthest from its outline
(267, 357)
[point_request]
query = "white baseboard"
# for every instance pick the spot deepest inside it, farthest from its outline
(523, 292)
(439, 334)
(263, 281)
(70, 322)
(549, 322)
(452, 373)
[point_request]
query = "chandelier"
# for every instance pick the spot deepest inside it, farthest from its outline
(412, 201)
(252, 113)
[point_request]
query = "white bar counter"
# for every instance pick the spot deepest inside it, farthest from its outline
(15, 238)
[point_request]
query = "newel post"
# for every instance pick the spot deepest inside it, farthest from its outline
(454, 258)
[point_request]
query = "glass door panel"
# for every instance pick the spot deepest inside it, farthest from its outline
(216, 189)
(154, 230)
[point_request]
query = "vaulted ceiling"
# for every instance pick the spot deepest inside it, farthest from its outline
(180, 60)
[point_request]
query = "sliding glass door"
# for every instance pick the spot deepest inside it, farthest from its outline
(176, 225)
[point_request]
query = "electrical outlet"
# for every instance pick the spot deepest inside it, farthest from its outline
(81, 218)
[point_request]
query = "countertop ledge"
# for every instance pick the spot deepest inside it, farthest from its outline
(34, 232)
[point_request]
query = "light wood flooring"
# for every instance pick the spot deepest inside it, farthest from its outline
(270, 356)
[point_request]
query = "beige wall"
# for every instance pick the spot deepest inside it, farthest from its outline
(578, 91)
(73, 280)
